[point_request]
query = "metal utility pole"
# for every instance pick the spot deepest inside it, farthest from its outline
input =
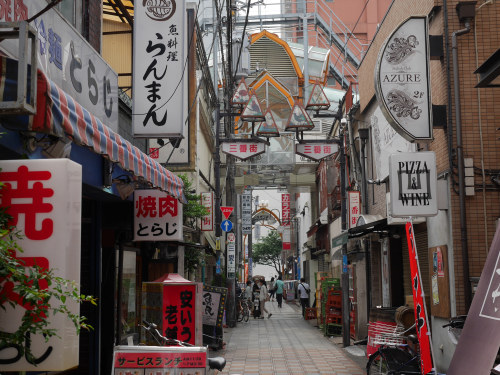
(346, 337)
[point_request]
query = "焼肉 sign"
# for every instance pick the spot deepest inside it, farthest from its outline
(402, 83)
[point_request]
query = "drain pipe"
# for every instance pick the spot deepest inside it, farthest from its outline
(461, 171)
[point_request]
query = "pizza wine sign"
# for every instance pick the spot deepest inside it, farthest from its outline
(402, 83)
(413, 183)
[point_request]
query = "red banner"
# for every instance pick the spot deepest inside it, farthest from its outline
(179, 312)
(418, 300)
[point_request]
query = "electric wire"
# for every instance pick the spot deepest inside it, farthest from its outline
(242, 36)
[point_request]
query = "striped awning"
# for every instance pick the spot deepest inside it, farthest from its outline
(60, 115)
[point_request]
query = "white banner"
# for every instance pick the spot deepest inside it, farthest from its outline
(44, 197)
(207, 221)
(159, 76)
(157, 216)
(246, 213)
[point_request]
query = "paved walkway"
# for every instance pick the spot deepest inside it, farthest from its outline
(283, 344)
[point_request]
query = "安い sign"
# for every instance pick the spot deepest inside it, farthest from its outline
(413, 183)
(157, 216)
(402, 83)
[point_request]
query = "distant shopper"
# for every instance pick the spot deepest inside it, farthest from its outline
(263, 297)
(304, 291)
(279, 291)
(272, 289)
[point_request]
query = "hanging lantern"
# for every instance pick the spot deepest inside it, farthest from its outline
(318, 99)
(253, 111)
(299, 120)
(268, 127)
(241, 95)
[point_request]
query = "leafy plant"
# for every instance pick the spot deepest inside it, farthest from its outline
(268, 251)
(193, 209)
(35, 289)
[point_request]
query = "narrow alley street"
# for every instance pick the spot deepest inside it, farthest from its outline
(285, 344)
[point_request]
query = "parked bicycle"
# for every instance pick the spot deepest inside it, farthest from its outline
(243, 309)
(216, 363)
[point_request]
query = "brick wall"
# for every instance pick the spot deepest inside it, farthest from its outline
(92, 16)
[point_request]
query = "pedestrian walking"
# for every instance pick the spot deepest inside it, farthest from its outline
(279, 291)
(304, 291)
(256, 300)
(263, 298)
(272, 289)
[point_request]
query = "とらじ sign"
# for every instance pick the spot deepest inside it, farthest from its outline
(157, 216)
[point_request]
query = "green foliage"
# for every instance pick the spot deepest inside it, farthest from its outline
(193, 209)
(268, 251)
(40, 291)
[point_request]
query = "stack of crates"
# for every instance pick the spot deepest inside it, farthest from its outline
(333, 312)
(327, 285)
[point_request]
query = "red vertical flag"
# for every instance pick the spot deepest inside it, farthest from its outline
(418, 300)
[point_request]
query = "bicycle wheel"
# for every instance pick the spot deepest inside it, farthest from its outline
(240, 313)
(246, 313)
(378, 365)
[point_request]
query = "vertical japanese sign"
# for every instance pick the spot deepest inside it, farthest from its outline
(421, 320)
(231, 255)
(159, 62)
(179, 312)
(246, 213)
(67, 59)
(214, 301)
(354, 208)
(157, 216)
(285, 220)
(44, 199)
(207, 221)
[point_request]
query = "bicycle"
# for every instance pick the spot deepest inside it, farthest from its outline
(216, 363)
(243, 310)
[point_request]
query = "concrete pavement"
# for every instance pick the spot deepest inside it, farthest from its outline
(284, 344)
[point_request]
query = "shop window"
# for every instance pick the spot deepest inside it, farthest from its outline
(129, 312)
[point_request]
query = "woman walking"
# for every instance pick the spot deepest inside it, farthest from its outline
(263, 297)
(272, 289)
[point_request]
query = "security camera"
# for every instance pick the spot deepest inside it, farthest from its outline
(343, 121)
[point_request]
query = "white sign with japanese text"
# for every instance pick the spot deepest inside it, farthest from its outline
(243, 150)
(246, 213)
(159, 61)
(157, 216)
(316, 151)
(67, 59)
(207, 221)
(413, 184)
(354, 207)
(231, 255)
(44, 198)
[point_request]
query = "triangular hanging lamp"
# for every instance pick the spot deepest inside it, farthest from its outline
(241, 95)
(299, 120)
(318, 99)
(268, 128)
(252, 111)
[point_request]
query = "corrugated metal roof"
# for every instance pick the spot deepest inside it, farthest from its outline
(272, 57)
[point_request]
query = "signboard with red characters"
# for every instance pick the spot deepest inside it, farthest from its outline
(354, 208)
(421, 320)
(285, 220)
(174, 303)
(243, 150)
(207, 221)
(157, 360)
(316, 151)
(157, 216)
(44, 199)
